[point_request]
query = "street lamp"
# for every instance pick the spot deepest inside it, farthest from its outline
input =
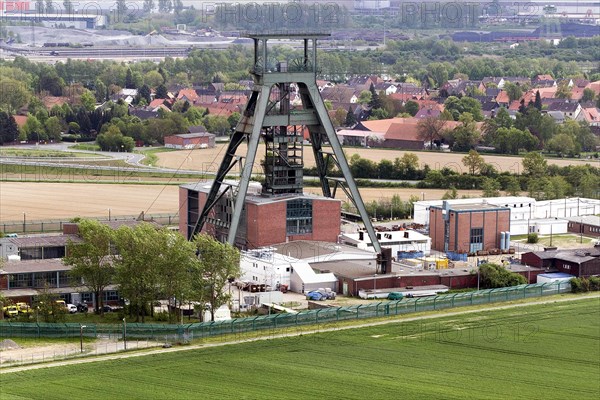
(124, 334)
(81, 328)
(375, 286)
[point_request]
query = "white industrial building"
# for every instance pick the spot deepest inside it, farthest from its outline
(526, 213)
(290, 264)
(406, 241)
(266, 267)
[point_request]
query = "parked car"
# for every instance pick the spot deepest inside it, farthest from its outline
(24, 308)
(11, 311)
(71, 308)
(395, 296)
(82, 307)
(320, 294)
(107, 308)
(315, 296)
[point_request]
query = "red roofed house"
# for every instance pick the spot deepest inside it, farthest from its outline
(20, 120)
(589, 115)
(189, 95)
(400, 133)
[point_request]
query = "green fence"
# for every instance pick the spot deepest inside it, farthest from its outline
(32, 226)
(239, 326)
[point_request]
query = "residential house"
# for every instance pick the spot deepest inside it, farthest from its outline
(387, 87)
(340, 94)
(144, 113)
(503, 98)
(154, 104)
(569, 109)
(429, 112)
(590, 115)
(558, 116)
(188, 95)
(543, 81)
(322, 84)
(127, 95)
(501, 81)
(361, 83)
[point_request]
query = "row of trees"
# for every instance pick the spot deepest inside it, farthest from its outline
(149, 263)
(540, 180)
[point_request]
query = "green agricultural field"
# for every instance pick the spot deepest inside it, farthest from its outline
(547, 351)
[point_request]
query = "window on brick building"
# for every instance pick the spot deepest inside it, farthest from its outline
(476, 242)
(299, 217)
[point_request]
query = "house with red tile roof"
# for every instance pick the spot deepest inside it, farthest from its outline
(590, 115)
(189, 95)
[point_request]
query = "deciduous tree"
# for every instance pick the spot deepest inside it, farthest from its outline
(218, 262)
(92, 258)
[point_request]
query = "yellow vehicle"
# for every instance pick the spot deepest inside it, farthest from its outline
(11, 311)
(24, 308)
(61, 303)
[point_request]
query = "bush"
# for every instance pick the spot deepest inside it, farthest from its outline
(583, 285)
(496, 276)
(575, 285)
(532, 238)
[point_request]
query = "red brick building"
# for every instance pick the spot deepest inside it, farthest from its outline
(190, 140)
(468, 228)
(266, 220)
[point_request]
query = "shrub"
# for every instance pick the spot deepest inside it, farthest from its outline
(575, 285)
(495, 276)
(532, 238)
(583, 285)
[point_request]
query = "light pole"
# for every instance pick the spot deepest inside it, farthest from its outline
(24, 222)
(477, 277)
(109, 214)
(81, 328)
(375, 286)
(124, 334)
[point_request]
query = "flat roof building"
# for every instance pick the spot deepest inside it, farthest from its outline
(266, 219)
(468, 228)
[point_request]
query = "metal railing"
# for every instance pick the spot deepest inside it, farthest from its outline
(45, 226)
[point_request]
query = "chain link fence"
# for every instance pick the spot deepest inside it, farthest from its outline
(26, 226)
(185, 332)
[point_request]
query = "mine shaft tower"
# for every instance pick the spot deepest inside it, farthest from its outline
(268, 115)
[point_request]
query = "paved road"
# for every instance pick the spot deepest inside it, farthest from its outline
(298, 331)
(134, 159)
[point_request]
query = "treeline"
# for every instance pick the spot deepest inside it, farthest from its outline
(532, 175)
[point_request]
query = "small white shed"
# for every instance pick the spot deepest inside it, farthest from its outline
(304, 279)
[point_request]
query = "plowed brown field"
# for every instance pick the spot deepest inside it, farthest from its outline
(43, 201)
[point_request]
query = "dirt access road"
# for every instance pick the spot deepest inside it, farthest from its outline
(298, 331)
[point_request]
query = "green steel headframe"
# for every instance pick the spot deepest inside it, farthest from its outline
(266, 113)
